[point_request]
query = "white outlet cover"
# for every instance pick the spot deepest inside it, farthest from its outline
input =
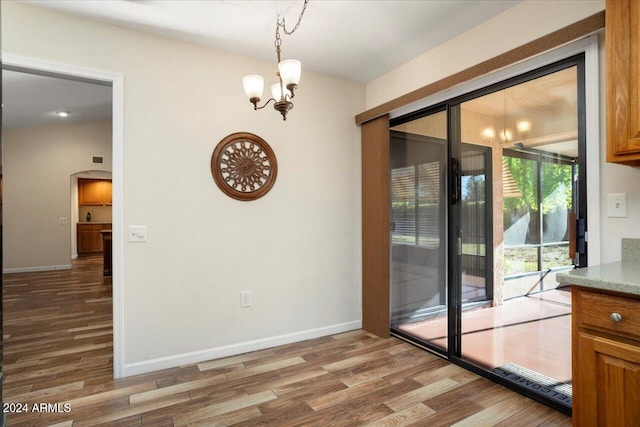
(617, 205)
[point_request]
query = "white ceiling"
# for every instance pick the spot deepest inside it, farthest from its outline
(356, 40)
(33, 100)
(352, 39)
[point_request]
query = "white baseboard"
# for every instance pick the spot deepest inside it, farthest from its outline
(38, 268)
(234, 349)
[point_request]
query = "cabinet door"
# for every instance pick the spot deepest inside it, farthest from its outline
(622, 76)
(89, 238)
(94, 192)
(106, 193)
(607, 382)
(90, 192)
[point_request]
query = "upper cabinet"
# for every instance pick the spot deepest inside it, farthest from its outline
(94, 192)
(623, 75)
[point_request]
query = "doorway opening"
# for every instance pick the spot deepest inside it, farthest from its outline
(486, 192)
(79, 77)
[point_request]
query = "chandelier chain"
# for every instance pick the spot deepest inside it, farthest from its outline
(281, 24)
(304, 7)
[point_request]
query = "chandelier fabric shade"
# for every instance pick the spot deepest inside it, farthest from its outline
(289, 72)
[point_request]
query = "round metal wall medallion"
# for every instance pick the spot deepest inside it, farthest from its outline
(244, 166)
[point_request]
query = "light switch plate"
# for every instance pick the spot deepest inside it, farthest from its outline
(137, 233)
(617, 205)
(245, 299)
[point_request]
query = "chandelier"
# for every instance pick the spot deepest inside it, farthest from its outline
(506, 133)
(288, 74)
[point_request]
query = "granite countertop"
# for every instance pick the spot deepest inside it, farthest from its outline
(623, 276)
(94, 222)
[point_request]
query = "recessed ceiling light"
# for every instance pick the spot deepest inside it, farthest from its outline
(62, 113)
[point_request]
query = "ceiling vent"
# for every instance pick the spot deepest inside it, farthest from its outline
(97, 160)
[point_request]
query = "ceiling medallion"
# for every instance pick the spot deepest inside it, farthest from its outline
(244, 166)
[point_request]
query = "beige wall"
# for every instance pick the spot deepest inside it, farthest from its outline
(37, 189)
(615, 179)
(98, 213)
(297, 249)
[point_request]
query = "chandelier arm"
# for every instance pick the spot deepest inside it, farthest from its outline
(255, 103)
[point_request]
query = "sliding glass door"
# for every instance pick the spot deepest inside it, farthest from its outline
(488, 204)
(418, 227)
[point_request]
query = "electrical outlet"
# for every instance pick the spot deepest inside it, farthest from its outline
(63, 220)
(245, 299)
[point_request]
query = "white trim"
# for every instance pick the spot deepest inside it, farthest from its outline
(117, 224)
(38, 268)
(588, 45)
(116, 81)
(234, 349)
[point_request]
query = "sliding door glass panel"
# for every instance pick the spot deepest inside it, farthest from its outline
(418, 229)
(520, 329)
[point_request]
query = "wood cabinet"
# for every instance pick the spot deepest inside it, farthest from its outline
(606, 359)
(94, 192)
(622, 34)
(90, 239)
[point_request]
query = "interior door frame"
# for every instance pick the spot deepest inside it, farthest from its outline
(116, 81)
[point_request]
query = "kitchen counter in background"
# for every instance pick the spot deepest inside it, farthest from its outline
(622, 276)
(94, 222)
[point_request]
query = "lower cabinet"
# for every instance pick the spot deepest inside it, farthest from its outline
(606, 359)
(90, 239)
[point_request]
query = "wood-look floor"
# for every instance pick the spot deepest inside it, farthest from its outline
(57, 336)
